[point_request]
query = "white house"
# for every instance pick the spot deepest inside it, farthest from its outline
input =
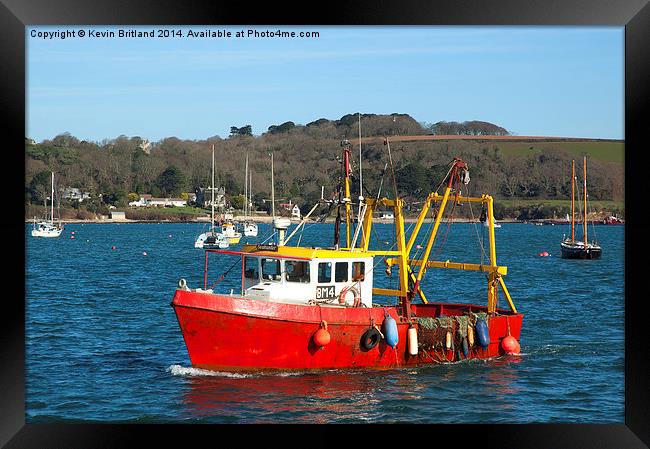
(73, 193)
(295, 212)
(167, 202)
(386, 216)
(143, 201)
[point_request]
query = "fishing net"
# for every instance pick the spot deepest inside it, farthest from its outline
(432, 332)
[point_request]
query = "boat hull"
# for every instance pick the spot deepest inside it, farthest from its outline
(580, 252)
(231, 333)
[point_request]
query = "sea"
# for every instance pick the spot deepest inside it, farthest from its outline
(103, 343)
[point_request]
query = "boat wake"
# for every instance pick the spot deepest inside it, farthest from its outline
(178, 370)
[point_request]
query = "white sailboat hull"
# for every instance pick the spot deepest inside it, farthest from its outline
(46, 230)
(250, 230)
(204, 241)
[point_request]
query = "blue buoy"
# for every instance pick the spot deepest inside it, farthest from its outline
(483, 333)
(390, 331)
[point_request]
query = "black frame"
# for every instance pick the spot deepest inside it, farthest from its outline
(15, 15)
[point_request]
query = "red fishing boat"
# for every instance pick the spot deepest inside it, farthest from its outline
(303, 308)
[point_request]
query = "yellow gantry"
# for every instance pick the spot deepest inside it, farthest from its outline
(401, 255)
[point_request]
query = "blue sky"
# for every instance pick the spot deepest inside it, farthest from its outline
(542, 81)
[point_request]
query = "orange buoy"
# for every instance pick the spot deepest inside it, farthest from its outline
(543, 254)
(510, 345)
(322, 336)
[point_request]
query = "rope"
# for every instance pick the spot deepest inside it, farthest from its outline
(237, 262)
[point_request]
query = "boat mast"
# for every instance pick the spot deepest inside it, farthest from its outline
(250, 194)
(573, 207)
(212, 214)
(246, 187)
(346, 200)
(52, 201)
(584, 224)
(272, 189)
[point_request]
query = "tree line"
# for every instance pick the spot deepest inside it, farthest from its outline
(305, 159)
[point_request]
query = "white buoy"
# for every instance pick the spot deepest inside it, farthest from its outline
(413, 340)
(144, 253)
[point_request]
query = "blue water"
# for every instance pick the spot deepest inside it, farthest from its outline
(103, 343)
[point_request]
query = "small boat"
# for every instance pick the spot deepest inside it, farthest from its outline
(47, 227)
(250, 227)
(212, 239)
(487, 225)
(230, 232)
(312, 308)
(579, 249)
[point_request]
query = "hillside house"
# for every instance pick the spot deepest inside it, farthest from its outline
(73, 193)
(143, 201)
(167, 202)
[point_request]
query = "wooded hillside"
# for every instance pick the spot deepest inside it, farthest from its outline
(305, 159)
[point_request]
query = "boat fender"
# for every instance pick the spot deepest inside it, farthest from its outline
(370, 338)
(465, 347)
(390, 331)
(448, 340)
(510, 345)
(322, 336)
(413, 340)
(470, 335)
(483, 333)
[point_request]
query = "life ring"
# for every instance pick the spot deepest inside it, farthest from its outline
(182, 283)
(355, 292)
(370, 338)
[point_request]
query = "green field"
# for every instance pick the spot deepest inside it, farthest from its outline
(593, 205)
(608, 151)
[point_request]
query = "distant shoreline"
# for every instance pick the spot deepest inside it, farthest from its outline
(269, 220)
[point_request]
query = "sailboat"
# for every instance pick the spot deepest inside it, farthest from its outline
(579, 249)
(47, 228)
(250, 227)
(212, 239)
(487, 225)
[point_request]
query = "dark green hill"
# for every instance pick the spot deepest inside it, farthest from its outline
(508, 167)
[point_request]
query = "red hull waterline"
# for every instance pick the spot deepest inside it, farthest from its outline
(232, 333)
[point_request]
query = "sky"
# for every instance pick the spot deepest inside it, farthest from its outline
(533, 81)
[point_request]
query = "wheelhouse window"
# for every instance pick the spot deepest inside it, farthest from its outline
(251, 268)
(271, 269)
(325, 272)
(358, 271)
(341, 272)
(297, 271)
